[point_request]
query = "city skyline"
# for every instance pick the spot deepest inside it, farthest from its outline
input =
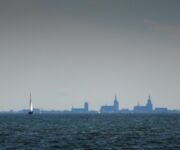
(115, 108)
(68, 52)
(103, 108)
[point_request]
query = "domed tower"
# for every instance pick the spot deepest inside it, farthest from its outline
(116, 104)
(86, 106)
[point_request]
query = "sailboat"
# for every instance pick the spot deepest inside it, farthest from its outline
(30, 106)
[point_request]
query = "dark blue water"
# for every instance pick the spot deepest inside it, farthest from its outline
(90, 132)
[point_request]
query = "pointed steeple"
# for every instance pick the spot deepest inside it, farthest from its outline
(149, 104)
(116, 103)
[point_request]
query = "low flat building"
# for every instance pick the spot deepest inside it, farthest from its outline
(161, 110)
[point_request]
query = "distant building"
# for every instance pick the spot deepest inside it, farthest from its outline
(126, 110)
(81, 110)
(86, 107)
(111, 109)
(161, 110)
(148, 108)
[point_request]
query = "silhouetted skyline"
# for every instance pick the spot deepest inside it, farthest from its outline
(104, 109)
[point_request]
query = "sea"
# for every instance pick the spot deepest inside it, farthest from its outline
(90, 131)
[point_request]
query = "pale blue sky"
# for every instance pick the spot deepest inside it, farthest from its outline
(68, 52)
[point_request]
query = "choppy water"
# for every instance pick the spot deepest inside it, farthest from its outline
(90, 132)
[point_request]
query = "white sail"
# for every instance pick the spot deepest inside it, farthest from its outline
(31, 107)
(30, 104)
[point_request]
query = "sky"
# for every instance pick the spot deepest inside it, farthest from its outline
(69, 52)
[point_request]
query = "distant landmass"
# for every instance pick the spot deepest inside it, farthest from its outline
(105, 109)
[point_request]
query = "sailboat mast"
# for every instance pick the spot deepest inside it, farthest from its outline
(30, 102)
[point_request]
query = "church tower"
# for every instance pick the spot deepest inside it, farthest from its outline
(149, 104)
(116, 104)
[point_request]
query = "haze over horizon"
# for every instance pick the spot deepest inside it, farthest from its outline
(69, 52)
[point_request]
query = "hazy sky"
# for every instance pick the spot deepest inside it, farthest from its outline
(70, 51)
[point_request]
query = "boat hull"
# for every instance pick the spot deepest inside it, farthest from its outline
(30, 112)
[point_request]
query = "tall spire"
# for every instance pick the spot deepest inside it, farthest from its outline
(149, 102)
(116, 104)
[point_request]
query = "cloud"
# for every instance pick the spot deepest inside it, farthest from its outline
(161, 27)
